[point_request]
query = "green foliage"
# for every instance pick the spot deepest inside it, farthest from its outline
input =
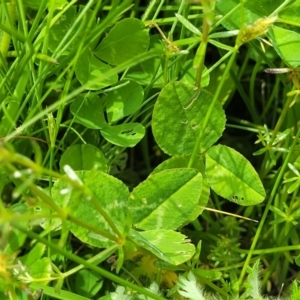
(83, 157)
(124, 41)
(93, 204)
(227, 171)
(159, 203)
(124, 100)
(178, 117)
(90, 72)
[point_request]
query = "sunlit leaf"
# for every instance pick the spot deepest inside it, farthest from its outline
(286, 43)
(166, 199)
(126, 39)
(244, 13)
(88, 110)
(178, 117)
(108, 192)
(83, 157)
(231, 176)
(124, 100)
(181, 161)
(124, 135)
(89, 68)
(168, 245)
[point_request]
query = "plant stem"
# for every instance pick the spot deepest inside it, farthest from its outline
(9, 119)
(196, 149)
(270, 200)
(85, 263)
(200, 54)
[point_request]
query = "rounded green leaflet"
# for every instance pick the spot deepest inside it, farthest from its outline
(145, 72)
(35, 4)
(88, 111)
(126, 39)
(244, 14)
(88, 283)
(165, 200)
(42, 268)
(286, 43)
(124, 135)
(124, 100)
(89, 68)
(290, 12)
(63, 26)
(178, 117)
(189, 73)
(168, 245)
(232, 176)
(83, 157)
(181, 161)
(108, 193)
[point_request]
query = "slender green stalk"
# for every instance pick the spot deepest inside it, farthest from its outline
(200, 54)
(8, 19)
(210, 109)
(132, 62)
(282, 117)
(8, 121)
(266, 211)
(100, 257)
(268, 250)
(85, 263)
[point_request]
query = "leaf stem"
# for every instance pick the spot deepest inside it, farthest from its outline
(210, 109)
(200, 54)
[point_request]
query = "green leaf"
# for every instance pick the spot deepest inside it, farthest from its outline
(15, 239)
(53, 293)
(244, 13)
(291, 13)
(208, 274)
(145, 72)
(124, 100)
(88, 111)
(108, 192)
(165, 200)
(35, 4)
(56, 256)
(286, 43)
(181, 161)
(89, 68)
(223, 34)
(170, 246)
(231, 176)
(126, 39)
(178, 117)
(88, 283)
(34, 254)
(83, 157)
(186, 23)
(189, 74)
(124, 135)
(221, 45)
(41, 268)
(60, 28)
(227, 87)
